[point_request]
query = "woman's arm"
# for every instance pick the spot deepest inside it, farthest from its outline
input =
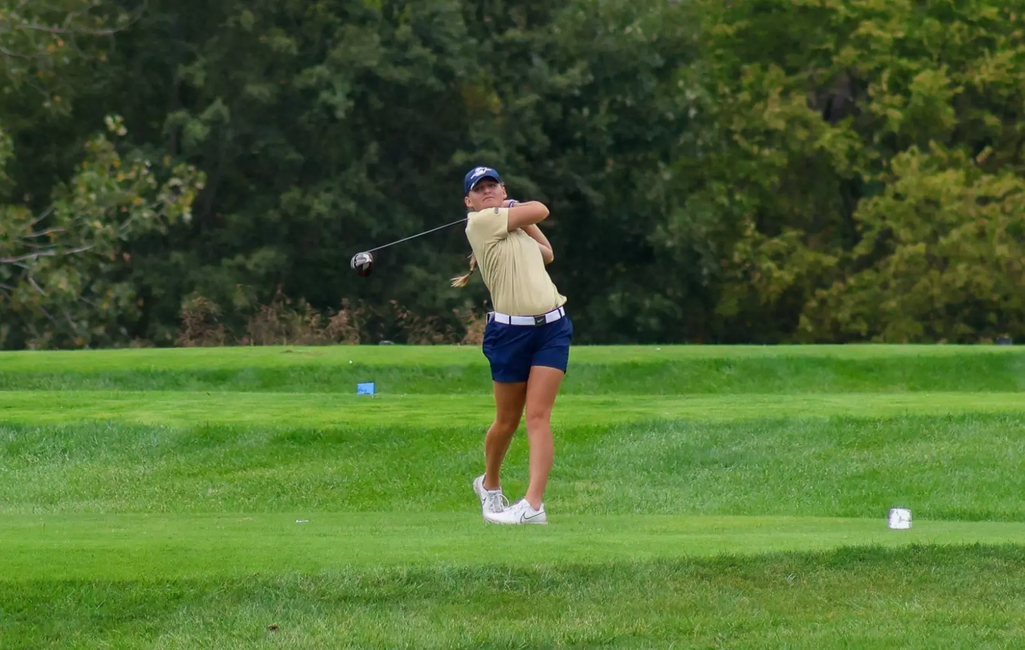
(525, 214)
(546, 247)
(547, 252)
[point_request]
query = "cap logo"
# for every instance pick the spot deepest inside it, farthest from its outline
(475, 175)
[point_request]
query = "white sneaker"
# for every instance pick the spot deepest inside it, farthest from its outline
(519, 513)
(490, 500)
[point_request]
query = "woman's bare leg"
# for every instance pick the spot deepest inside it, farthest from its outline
(542, 389)
(509, 401)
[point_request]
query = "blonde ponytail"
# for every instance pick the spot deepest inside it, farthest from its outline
(463, 279)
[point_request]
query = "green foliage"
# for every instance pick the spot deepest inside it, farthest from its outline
(711, 176)
(801, 134)
(941, 259)
(64, 242)
(44, 42)
(62, 272)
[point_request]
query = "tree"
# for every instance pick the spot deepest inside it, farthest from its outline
(41, 41)
(62, 272)
(327, 128)
(63, 257)
(711, 177)
(942, 258)
(798, 132)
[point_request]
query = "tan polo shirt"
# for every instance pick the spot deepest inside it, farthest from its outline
(511, 265)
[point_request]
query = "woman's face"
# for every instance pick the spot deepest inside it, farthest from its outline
(485, 194)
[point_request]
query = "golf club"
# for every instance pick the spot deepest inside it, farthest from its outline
(363, 262)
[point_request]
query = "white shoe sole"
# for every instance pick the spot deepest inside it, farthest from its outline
(517, 523)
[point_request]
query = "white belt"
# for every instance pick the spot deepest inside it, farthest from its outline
(536, 321)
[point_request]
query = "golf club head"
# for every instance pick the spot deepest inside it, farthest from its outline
(362, 263)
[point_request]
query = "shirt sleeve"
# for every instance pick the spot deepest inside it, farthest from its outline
(487, 226)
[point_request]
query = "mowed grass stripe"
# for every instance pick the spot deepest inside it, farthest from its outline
(463, 370)
(124, 547)
(442, 355)
(289, 409)
(918, 597)
(964, 467)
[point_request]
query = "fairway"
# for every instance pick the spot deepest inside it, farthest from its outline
(701, 497)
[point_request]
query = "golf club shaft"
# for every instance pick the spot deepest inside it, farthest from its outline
(415, 236)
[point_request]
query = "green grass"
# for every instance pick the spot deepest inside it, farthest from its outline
(919, 597)
(960, 468)
(205, 546)
(434, 411)
(702, 498)
(614, 371)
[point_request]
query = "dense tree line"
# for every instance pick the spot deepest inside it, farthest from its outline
(759, 171)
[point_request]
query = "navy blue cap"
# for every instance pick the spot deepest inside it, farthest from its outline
(475, 176)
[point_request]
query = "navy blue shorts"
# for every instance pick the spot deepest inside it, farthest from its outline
(513, 349)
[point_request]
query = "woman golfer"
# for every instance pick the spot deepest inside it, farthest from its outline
(526, 340)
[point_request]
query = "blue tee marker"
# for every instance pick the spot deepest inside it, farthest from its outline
(365, 389)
